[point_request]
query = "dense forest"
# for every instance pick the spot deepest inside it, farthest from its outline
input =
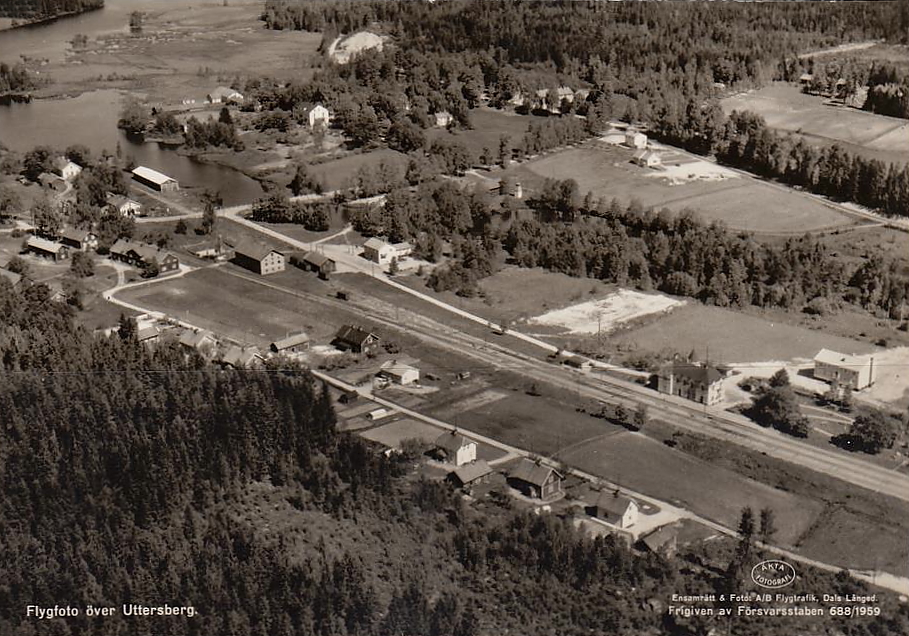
(36, 10)
(122, 469)
(14, 79)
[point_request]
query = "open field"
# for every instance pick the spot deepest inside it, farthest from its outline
(742, 203)
(340, 173)
(606, 314)
(241, 309)
(185, 50)
(488, 126)
(785, 107)
(716, 493)
(733, 336)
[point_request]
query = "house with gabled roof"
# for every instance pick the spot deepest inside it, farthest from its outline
(48, 249)
(259, 258)
(355, 340)
(663, 541)
(856, 372)
(66, 169)
(454, 448)
(693, 381)
(223, 95)
(197, 340)
(536, 480)
(399, 372)
(615, 509)
(82, 240)
(294, 343)
(474, 472)
(382, 252)
(14, 279)
(238, 357)
(319, 263)
(123, 205)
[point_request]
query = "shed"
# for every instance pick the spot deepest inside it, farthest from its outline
(474, 472)
(81, 240)
(48, 249)
(399, 373)
(355, 339)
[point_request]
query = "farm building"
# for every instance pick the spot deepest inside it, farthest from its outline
(695, 382)
(259, 258)
(377, 414)
(238, 357)
(456, 449)
(635, 139)
(224, 95)
(81, 240)
(856, 372)
(66, 169)
(142, 255)
(349, 397)
(155, 180)
(317, 116)
(12, 278)
(509, 188)
(319, 263)
(615, 509)
(664, 541)
(355, 340)
(123, 205)
(52, 181)
(443, 119)
(535, 479)
(399, 373)
(647, 158)
(476, 472)
(382, 252)
(295, 343)
(47, 249)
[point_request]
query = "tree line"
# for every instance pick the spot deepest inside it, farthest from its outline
(35, 10)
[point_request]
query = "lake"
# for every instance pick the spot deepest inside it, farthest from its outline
(91, 118)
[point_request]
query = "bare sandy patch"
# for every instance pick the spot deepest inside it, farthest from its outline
(604, 315)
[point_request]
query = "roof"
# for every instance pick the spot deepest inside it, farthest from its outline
(152, 175)
(472, 471)
(827, 356)
(120, 200)
(533, 472)
(376, 243)
(122, 246)
(614, 503)
(12, 277)
(403, 245)
(194, 339)
(43, 244)
(147, 333)
(290, 341)
(224, 91)
(237, 356)
(633, 133)
(452, 441)
(309, 107)
(60, 163)
(354, 335)
(73, 234)
(48, 177)
(656, 540)
(695, 372)
(255, 250)
(317, 258)
(397, 368)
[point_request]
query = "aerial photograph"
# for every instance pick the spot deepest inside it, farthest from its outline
(454, 318)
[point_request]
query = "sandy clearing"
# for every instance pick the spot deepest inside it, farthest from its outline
(604, 315)
(891, 375)
(342, 50)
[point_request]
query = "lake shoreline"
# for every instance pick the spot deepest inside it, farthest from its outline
(15, 23)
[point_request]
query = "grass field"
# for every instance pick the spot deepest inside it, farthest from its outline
(488, 126)
(340, 173)
(716, 493)
(732, 336)
(785, 107)
(741, 203)
(241, 309)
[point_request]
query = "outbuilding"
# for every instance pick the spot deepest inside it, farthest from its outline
(296, 343)
(536, 480)
(47, 249)
(155, 180)
(259, 258)
(399, 373)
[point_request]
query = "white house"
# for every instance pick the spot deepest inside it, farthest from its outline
(456, 449)
(382, 252)
(317, 115)
(123, 205)
(66, 168)
(635, 139)
(443, 119)
(399, 373)
(223, 95)
(647, 158)
(615, 509)
(856, 372)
